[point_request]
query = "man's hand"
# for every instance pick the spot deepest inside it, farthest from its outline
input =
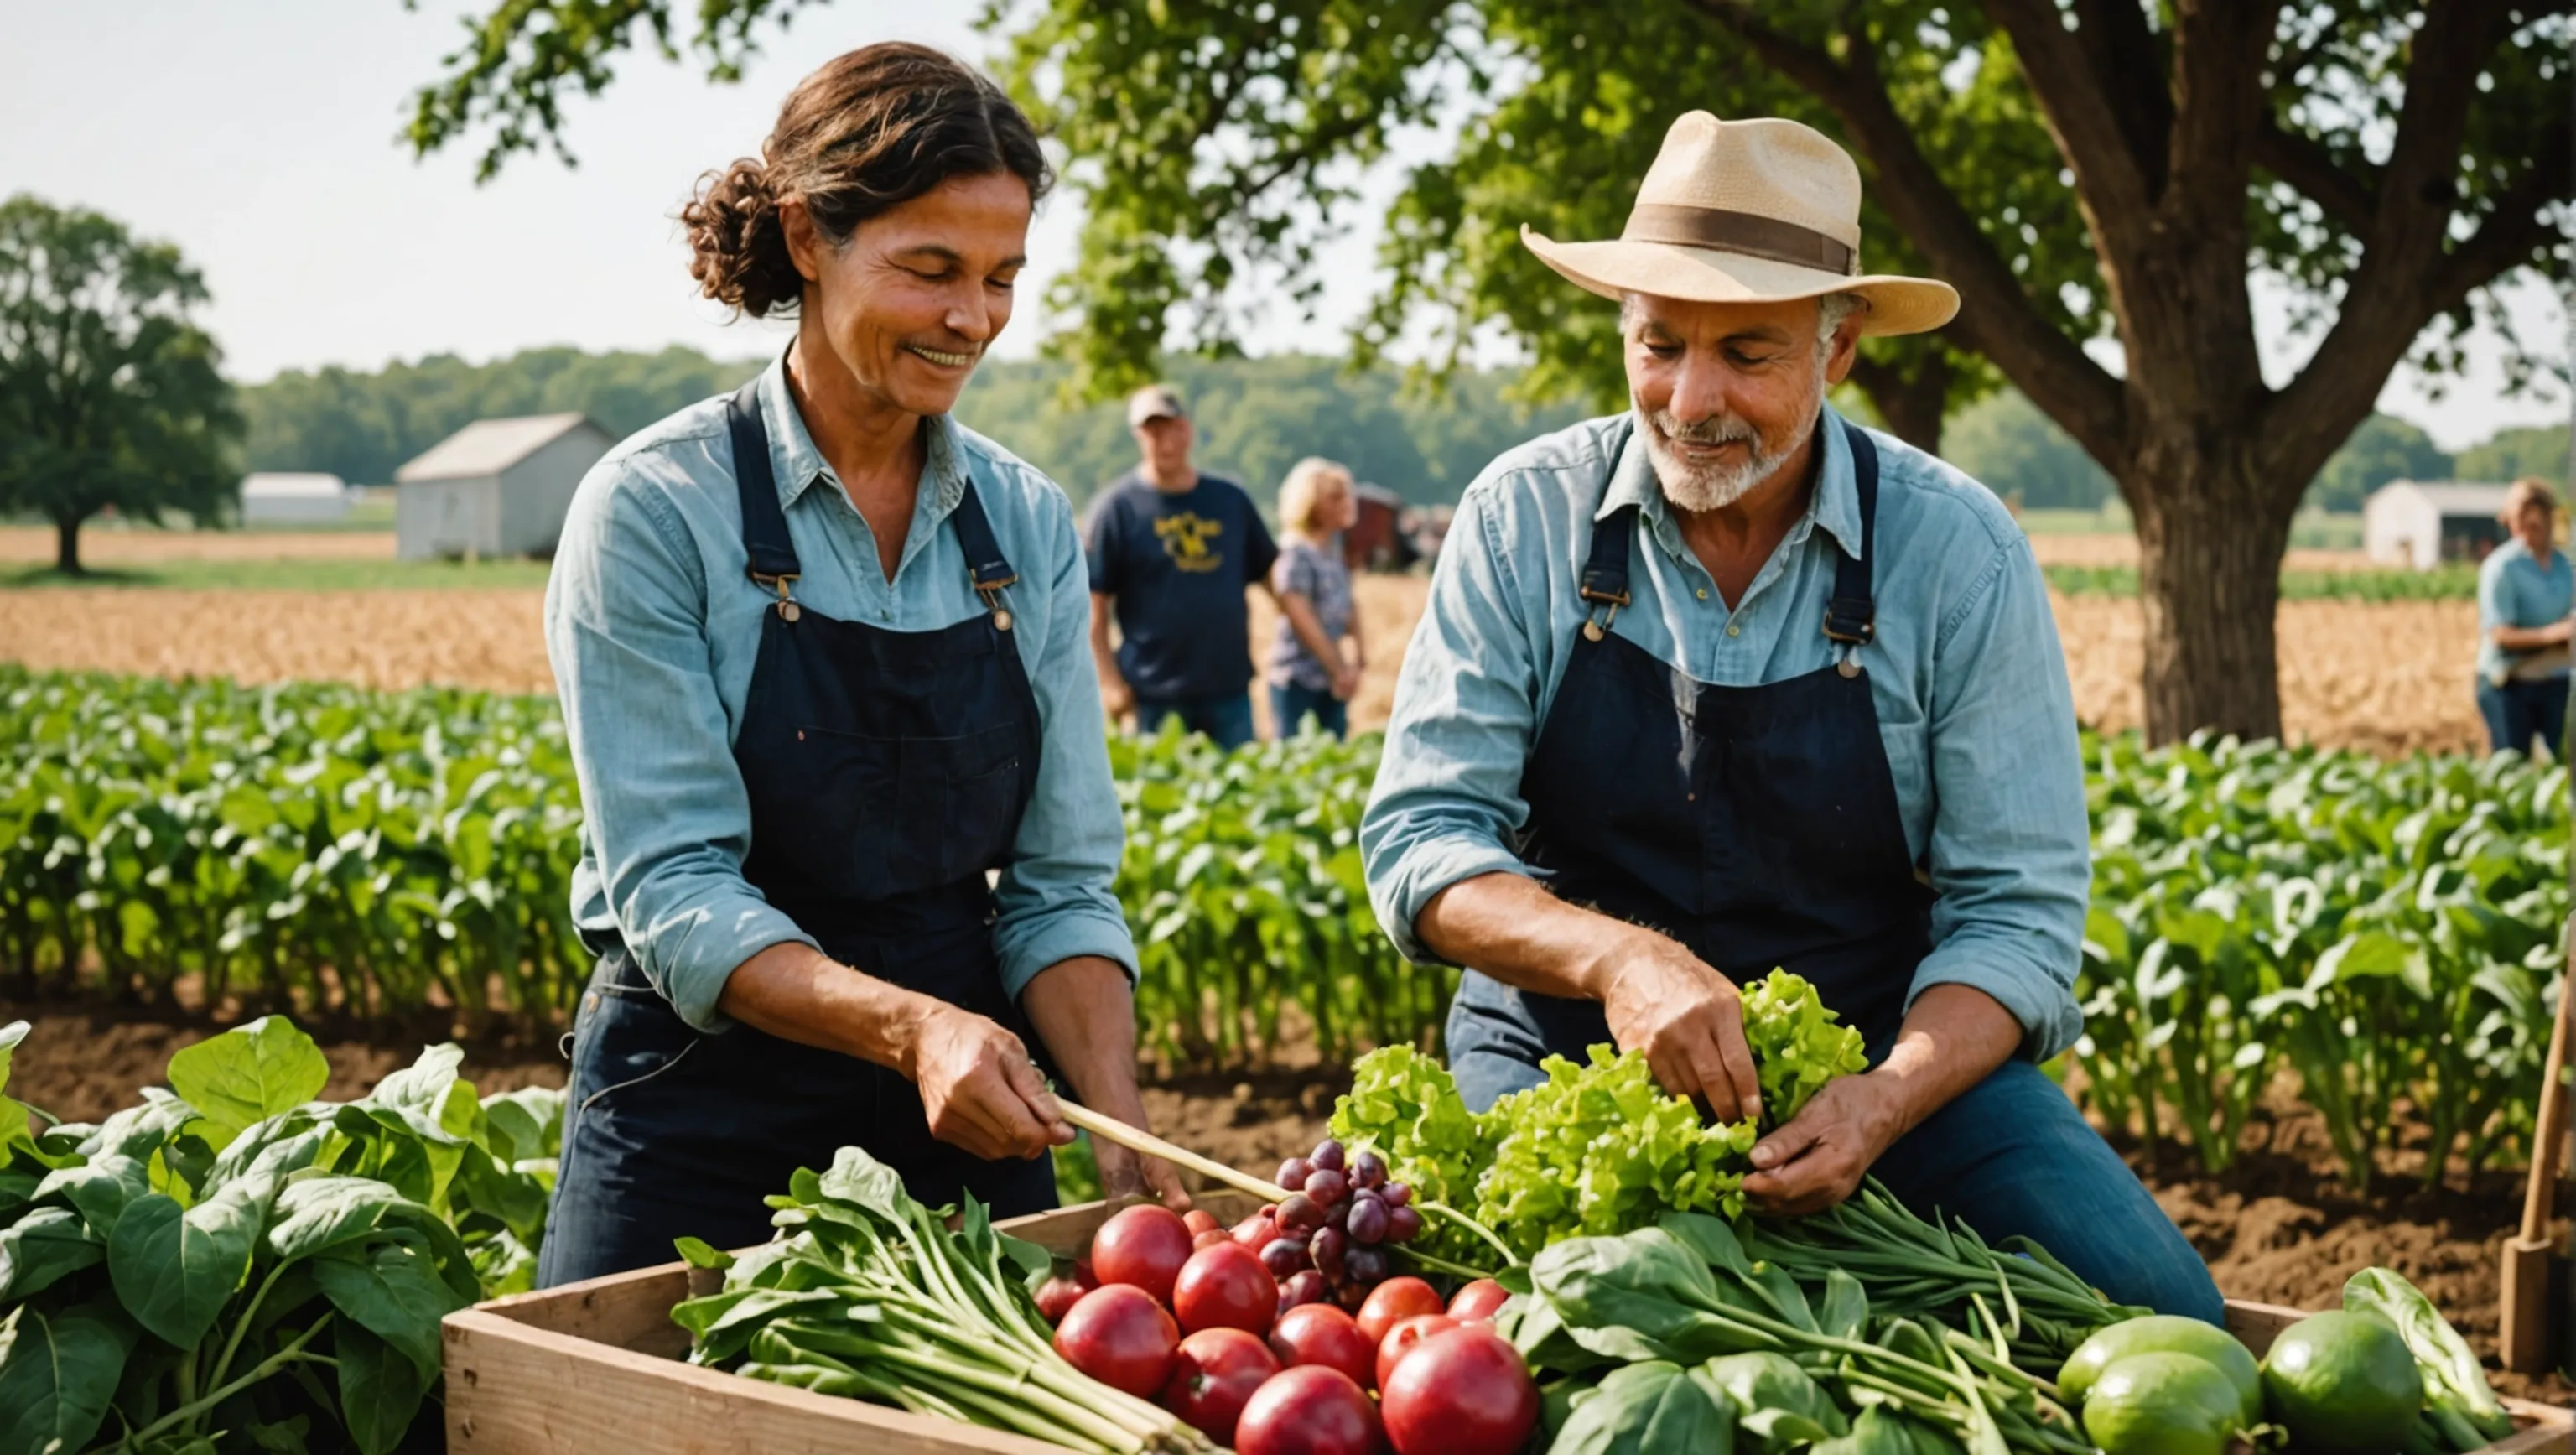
(1689, 1020)
(979, 1087)
(1117, 698)
(1346, 683)
(1081, 1008)
(1820, 1156)
(1125, 1174)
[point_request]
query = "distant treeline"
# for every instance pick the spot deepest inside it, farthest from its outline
(2006, 442)
(1256, 417)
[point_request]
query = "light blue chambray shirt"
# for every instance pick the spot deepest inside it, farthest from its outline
(1966, 674)
(652, 626)
(2516, 590)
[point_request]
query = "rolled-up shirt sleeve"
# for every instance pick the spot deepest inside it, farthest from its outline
(1055, 895)
(666, 814)
(2010, 847)
(1447, 799)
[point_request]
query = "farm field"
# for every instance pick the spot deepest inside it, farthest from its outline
(2385, 677)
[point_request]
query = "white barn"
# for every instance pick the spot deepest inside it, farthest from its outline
(284, 498)
(498, 487)
(2421, 523)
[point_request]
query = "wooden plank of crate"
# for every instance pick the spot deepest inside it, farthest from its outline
(2550, 1431)
(621, 1310)
(515, 1389)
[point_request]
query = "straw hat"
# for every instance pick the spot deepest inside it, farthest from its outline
(1754, 211)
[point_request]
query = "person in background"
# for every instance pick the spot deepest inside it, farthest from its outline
(1171, 553)
(1316, 659)
(2525, 592)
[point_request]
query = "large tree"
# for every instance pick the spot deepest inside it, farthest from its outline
(2080, 169)
(109, 394)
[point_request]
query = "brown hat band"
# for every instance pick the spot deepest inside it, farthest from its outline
(1740, 232)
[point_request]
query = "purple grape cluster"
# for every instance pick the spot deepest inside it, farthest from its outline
(1340, 1215)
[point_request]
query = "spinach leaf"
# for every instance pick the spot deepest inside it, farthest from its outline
(40, 1249)
(1846, 1311)
(323, 1212)
(380, 1388)
(13, 1117)
(57, 1374)
(174, 1267)
(1774, 1400)
(1647, 1409)
(391, 1288)
(248, 1074)
(98, 1191)
(1876, 1431)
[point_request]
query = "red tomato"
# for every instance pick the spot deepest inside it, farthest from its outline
(1058, 1295)
(1145, 1246)
(1257, 1230)
(1209, 1239)
(1118, 1335)
(1318, 1333)
(1401, 1339)
(1200, 1220)
(1213, 1377)
(1475, 1304)
(1308, 1410)
(1465, 1392)
(1224, 1287)
(1389, 1304)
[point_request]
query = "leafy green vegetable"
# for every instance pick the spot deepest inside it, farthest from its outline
(1798, 1045)
(184, 1268)
(870, 1295)
(1602, 1148)
(1649, 1408)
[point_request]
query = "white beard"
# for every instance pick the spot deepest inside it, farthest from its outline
(1696, 487)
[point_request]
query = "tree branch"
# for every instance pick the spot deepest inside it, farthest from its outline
(2220, 103)
(1996, 318)
(2300, 161)
(2122, 53)
(2074, 98)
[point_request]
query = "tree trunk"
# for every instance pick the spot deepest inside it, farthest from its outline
(67, 546)
(2210, 540)
(1909, 401)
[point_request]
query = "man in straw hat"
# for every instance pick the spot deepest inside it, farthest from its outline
(1725, 683)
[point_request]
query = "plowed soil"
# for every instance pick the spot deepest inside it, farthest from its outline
(2278, 1228)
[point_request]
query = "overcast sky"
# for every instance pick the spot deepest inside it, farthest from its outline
(261, 138)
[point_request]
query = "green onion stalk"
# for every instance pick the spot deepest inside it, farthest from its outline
(869, 1295)
(1927, 1271)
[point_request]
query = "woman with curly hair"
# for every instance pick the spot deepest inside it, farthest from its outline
(848, 827)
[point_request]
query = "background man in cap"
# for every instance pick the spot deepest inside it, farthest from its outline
(1724, 683)
(1171, 553)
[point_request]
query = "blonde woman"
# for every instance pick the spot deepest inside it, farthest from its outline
(1315, 662)
(2525, 592)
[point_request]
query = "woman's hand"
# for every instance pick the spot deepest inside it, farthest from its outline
(1082, 1008)
(979, 1088)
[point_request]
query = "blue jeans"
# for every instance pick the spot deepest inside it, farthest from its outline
(1291, 704)
(2517, 712)
(1226, 718)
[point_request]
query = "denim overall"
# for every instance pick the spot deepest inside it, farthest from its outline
(1758, 826)
(886, 773)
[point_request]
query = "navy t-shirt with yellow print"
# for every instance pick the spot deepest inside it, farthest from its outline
(1178, 564)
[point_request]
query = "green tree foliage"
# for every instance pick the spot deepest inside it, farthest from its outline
(2019, 453)
(2514, 453)
(2383, 449)
(1256, 417)
(109, 394)
(363, 426)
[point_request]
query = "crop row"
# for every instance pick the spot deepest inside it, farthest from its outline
(2445, 583)
(2378, 935)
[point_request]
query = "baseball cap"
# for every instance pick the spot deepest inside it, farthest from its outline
(1155, 401)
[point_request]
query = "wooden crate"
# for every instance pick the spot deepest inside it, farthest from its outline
(595, 1369)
